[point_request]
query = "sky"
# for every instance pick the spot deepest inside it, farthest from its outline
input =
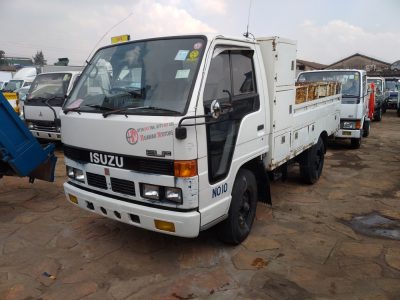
(325, 30)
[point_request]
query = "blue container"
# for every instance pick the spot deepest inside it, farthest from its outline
(19, 149)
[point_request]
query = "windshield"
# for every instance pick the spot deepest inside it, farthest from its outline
(50, 85)
(350, 80)
(152, 73)
(377, 83)
(14, 85)
(392, 85)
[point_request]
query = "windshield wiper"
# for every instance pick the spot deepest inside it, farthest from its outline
(77, 109)
(126, 109)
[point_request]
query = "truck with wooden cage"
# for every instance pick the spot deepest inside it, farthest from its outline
(177, 134)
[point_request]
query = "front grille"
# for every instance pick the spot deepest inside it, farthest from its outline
(134, 163)
(96, 180)
(123, 186)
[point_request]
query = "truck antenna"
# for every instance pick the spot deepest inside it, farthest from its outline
(102, 37)
(247, 33)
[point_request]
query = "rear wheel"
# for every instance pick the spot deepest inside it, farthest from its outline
(355, 143)
(242, 210)
(312, 162)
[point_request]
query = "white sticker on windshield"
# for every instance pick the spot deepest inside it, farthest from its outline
(181, 55)
(182, 74)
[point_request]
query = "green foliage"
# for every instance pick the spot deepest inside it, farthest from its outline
(38, 59)
(3, 61)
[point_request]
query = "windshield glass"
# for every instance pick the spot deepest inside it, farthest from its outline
(153, 73)
(377, 83)
(14, 85)
(50, 85)
(392, 85)
(350, 80)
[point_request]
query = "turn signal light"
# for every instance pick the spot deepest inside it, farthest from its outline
(164, 225)
(358, 124)
(185, 168)
(73, 198)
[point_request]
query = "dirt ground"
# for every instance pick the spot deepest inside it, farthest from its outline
(300, 248)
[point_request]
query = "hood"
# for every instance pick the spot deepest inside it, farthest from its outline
(134, 135)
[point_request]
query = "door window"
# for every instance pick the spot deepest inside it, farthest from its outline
(231, 73)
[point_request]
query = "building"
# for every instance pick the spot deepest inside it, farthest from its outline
(304, 65)
(373, 66)
(19, 62)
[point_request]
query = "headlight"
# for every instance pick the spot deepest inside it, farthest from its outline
(76, 174)
(173, 194)
(150, 191)
(348, 125)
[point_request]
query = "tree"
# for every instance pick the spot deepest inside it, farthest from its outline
(3, 61)
(38, 59)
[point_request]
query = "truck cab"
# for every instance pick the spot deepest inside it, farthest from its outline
(379, 85)
(354, 121)
(43, 103)
(177, 134)
(392, 94)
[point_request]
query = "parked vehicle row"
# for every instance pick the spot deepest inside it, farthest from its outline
(179, 134)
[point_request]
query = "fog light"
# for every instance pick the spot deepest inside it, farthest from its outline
(164, 225)
(173, 194)
(150, 191)
(73, 198)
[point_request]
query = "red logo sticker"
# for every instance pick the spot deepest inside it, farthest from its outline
(132, 136)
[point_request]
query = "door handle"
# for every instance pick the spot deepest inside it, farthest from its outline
(260, 127)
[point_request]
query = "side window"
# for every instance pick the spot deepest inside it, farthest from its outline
(219, 78)
(242, 73)
(365, 90)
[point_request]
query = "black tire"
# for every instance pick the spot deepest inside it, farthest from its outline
(398, 112)
(366, 128)
(355, 143)
(242, 210)
(378, 115)
(312, 162)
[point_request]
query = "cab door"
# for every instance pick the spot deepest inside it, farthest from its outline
(240, 129)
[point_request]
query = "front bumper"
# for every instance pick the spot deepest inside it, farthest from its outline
(348, 133)
(47, 135)
(187, 224)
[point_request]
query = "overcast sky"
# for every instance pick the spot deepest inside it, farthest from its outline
(326, 31)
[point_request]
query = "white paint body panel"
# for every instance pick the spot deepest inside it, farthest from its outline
(275, 77)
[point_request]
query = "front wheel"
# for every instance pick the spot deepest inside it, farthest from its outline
(312, 162)
(355, 143)
(366, 128)
(378, 116)
(242, 210)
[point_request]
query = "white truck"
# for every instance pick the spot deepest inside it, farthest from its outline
(177, 134)
(354, 121)
(43, 103)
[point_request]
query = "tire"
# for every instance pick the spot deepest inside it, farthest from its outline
(242, 210)
(366, 128)
(355, 143)
(312, 162)
(378, 116)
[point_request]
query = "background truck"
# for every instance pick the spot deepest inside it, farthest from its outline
(392, 94)
(43, 103)
(177, 134)
(5, 77)
(379, 83)
(354, 121)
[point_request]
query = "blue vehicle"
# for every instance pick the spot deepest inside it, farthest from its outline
(20, 153)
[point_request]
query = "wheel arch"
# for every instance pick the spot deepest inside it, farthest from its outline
(256, 166)
(324, 137)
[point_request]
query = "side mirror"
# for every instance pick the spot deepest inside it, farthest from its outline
(215, 109)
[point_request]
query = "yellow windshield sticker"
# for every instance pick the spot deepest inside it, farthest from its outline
(193, 54)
